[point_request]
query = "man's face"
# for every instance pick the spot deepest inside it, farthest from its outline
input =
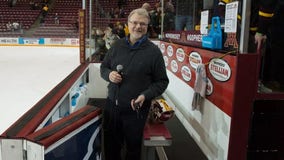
(137, 26)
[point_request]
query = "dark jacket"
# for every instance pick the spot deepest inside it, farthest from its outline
(143, 71)
(270, 11)
(185, 7)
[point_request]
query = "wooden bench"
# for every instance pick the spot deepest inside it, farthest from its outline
(156, 136)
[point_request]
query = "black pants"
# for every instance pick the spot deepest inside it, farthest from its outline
(122, 128)
(273, 63)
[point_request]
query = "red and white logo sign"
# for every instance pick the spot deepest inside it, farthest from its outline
(219, 69)
(180, 54)
(170, 51)
(194, 59)
(166, 59)
(163, 48)
(74, 41)
(186, 73)
(174, 66)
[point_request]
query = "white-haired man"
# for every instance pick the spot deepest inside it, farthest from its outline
(135, 70)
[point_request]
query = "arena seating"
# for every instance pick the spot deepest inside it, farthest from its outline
(106, 5)
(21, 13)
(68, 13)
(53, 30)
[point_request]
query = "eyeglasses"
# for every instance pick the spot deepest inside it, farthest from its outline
(135, 23)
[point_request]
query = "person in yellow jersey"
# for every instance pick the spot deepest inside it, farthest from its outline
(270, 29)
(44, 10)
(126, 30)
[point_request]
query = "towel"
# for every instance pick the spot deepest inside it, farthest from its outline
(199, 86)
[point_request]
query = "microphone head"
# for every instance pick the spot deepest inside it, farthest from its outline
(119, 68)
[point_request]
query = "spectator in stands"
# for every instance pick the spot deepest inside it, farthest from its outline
(126, 30)
(32, 4)
(44, 10)
(116, 12)
(169, 18)
(76, 23)
(156, 20)
(141, 77)
(9, 26)
(100, 48)
(110, 37)
(111, 13)
(102, 13)
(16, 26)
(56, 18)
(36, 6)
(147, 7)
(121, 12)
(107, 14)
(184, 15)
(111, 27)
(151, 30)
(120, 30)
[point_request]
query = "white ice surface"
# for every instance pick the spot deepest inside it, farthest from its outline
(27, 74)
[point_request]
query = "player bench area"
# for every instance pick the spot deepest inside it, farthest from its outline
(156, 136)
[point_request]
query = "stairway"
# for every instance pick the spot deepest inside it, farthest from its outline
(36, 24)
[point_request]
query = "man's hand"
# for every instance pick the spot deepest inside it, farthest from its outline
(259, 39)
(139, 100)
(115, 77)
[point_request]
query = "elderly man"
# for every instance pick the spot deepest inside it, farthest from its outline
(135, 70)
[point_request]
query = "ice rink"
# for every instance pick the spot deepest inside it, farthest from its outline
(28, 74)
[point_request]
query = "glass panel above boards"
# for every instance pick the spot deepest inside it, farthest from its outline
(192, 23)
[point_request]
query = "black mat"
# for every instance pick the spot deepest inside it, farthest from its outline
(183, 145)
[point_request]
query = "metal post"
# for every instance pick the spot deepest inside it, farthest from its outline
(162, 20)
(194, 15)
(90, 30)
(244, 35)
(83, 4)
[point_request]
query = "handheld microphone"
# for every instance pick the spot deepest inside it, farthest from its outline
(119, 68)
